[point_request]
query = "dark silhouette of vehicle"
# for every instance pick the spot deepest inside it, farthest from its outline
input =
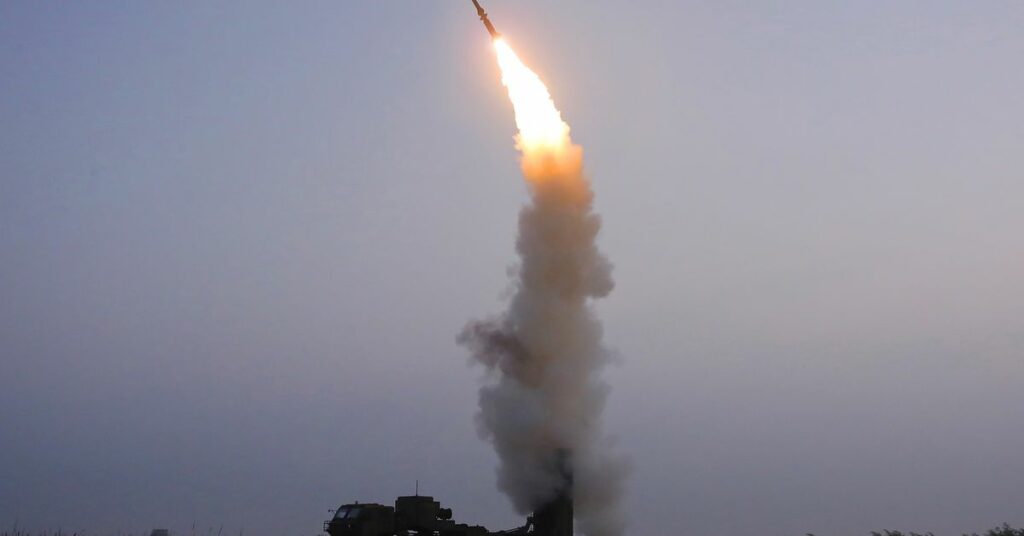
(417, 514)
(420, 515)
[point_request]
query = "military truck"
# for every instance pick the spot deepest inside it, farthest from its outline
(418, 515)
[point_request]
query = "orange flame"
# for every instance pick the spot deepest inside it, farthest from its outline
(539, 122)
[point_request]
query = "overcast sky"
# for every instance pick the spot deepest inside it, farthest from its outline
(237, 240)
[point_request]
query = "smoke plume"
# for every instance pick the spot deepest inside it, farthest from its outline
(543, 393)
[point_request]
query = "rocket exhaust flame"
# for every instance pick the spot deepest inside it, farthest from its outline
(543, 396)
(540, 124)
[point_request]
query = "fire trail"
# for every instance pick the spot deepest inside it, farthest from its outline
(542, 401)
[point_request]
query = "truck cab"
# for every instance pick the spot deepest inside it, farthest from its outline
(361, 520)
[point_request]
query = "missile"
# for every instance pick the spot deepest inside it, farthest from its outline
(487, 22)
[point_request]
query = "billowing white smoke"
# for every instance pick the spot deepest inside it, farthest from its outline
(543, 392)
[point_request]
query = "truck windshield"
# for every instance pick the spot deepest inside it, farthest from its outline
(347, 512)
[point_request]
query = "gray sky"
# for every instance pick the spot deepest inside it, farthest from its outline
(237, 241)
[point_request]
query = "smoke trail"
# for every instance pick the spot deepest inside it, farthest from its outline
(544, 355)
